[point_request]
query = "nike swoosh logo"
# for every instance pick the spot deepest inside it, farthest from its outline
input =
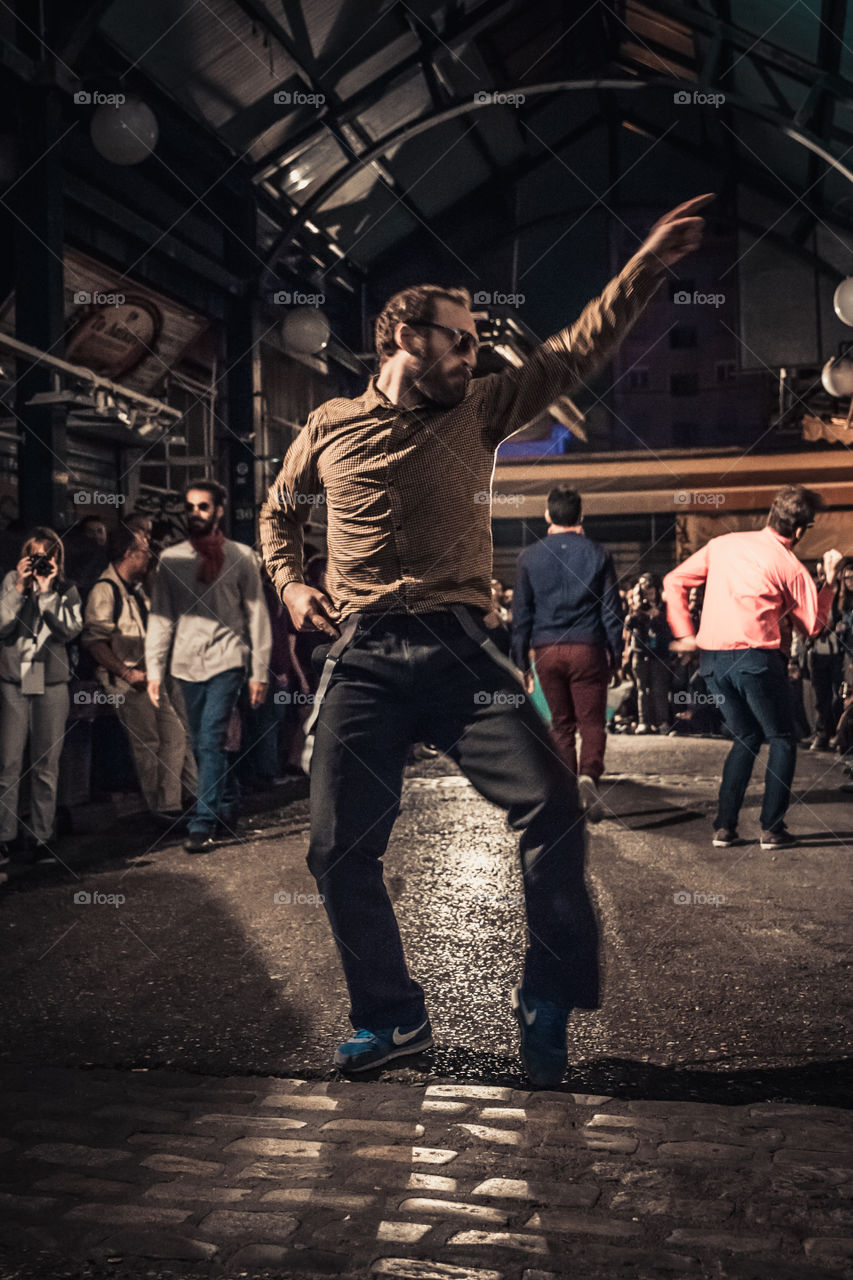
(529, 1018)
(404, 1038)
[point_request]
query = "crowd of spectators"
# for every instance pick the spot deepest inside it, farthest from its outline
(655, 691)
(74, 615)
(74, 612)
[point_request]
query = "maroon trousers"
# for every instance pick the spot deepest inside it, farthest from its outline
(574, 680)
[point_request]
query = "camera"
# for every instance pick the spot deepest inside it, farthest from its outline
(41, 565)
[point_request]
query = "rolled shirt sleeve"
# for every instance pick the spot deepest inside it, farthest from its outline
(98, 619)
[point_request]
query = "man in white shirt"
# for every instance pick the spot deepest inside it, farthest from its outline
(209, 625)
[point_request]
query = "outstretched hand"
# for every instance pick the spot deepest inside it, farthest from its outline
(678, 232)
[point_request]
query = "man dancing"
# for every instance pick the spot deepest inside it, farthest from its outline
(404, 467)
(755, 591)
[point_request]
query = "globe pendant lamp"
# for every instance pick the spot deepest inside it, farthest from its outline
(124, 134)
(305, 331)
(843, 301)
(837, 377)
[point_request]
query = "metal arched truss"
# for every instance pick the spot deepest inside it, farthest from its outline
(801, 105)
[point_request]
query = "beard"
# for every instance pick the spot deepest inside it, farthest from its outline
(200, 526)
(446, 390)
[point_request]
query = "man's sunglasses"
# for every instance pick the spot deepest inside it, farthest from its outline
(462, 340)
(198, 506)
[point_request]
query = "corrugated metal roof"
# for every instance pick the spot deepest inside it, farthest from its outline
(224, 67)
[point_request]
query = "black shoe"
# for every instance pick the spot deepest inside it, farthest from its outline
(200, 842)
(777, 839)
(724, 838)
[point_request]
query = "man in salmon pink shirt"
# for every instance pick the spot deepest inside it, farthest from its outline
(756, 590)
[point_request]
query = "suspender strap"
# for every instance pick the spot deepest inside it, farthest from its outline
(347, 632)
(480, 634)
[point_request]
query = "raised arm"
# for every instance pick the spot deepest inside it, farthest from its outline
(569, 359)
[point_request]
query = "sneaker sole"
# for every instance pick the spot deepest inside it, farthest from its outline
(789, 844)
(402, 1052)
(724, 844)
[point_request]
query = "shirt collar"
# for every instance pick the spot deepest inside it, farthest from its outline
(786, 542)
(374, 398)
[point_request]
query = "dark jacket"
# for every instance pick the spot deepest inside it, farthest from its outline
(566, 593)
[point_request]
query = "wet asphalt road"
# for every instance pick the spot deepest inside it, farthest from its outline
(740, 991)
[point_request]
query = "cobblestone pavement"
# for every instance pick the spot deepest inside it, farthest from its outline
(163, 1174)
(147, 1132)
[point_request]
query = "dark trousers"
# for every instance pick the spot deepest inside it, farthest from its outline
(755, 700)
(421, 678)
(574, 679)
(209, 705)
(825, 671)
(653, 676)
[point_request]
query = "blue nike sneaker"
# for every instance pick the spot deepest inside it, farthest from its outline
(543, 1038)
(371, 1048)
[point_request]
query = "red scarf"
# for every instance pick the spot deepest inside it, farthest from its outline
(211, 548)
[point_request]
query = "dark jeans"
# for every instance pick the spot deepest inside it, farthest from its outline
(574, 679)
(755, 700)
(653, 676)
(825, 672)
(259, 757)
(209, 705)
(421, 678)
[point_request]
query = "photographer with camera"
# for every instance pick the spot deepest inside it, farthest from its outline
(40, 612)
(649, 638)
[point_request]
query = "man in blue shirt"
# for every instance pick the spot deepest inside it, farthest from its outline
(567, 610)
